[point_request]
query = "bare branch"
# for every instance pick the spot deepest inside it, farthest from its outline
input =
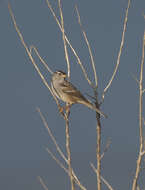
(141, 151)
(98, 152)
(106, 148)
(57, 161)
(32, 47)
(65, 169)
(42, 183)
(29, 54)
(140, 87)
(88, 44)
(143, 91)
(64, 40)
(104, 180)
(59, 151)
(135, 78)
(69, 159)
(51, 136)
(67, 40)
(120, 51)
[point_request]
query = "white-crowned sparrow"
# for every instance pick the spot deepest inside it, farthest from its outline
(68, 93)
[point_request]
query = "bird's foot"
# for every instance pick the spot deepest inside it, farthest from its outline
(61, 110)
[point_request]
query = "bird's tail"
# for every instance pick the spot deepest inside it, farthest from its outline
(91, 106)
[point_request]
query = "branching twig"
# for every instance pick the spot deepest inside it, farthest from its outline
(141, 147)
(67, 40)
(30, 56)
(66, 170)
(98, 148)
(51, 135)
(104, 180)
(120, 51)
(106, 148)
(88, 44)
(57, 161)
(135, 78)
(32, 47)
(59, 151)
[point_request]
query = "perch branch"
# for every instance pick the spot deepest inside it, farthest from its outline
(69, 159)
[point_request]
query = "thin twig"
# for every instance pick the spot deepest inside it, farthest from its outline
(67, 40)
(140, 155)
(42, 183)
(104, 180)
(135, 78)
(106, 148)
(57, 161)
(141, 92)
(51, 136)
(88, 45)
(32, 47)
(65, 169)
(120, 51)
(59, 151)
(64, 40)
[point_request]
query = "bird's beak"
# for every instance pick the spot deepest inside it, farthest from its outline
(64, 75)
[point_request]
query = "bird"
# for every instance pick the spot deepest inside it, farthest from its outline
(68, 93)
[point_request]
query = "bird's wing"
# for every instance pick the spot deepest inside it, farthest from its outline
(72, 90)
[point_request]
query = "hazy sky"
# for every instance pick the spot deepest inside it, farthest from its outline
(23, 137)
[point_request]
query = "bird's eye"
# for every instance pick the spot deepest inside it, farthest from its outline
(59, 73)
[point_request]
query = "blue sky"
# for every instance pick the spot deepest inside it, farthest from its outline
(23, 137)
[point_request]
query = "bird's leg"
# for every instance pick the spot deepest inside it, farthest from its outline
(67, 109)
(61, 108)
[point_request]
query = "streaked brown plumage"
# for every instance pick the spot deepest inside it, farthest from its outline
(68, 93)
